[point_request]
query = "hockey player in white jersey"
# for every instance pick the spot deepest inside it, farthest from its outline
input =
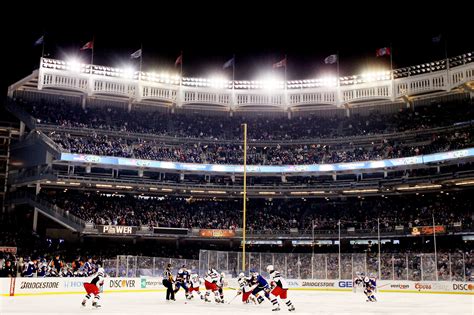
(279, 289)
(94, 287)
(211, 281)
(195, 284)
(246, 288)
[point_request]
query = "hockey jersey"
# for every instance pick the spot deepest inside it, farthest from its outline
(212, 276)
(279, 281)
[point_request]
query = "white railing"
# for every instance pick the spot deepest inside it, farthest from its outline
(137, 86)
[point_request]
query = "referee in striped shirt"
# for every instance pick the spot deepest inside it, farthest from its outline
(168, 283)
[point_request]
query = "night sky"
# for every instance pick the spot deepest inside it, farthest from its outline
(259, 36)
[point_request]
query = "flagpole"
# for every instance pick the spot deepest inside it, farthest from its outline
(338, 69)
(233, 71)
(141, 59)
(286, 63)
(42, 47)
(92, 54)
(181, 67)
(391, 60)
(447, 59)
(391, 71)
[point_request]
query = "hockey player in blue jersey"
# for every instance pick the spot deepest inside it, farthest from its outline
(262, 285)
(89, 267)
(370, 285)
(30, 268)
(42, 268)
(182, 280)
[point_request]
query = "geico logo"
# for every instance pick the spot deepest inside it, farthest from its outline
(122, 283)
(463, 287)
(400, 286)
(345, 284)
(317, 284)
(39, 285)
(117, 229)
(420, 286)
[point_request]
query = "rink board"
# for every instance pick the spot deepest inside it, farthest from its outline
(52, 286)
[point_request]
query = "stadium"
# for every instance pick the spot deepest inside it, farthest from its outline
(122, 174)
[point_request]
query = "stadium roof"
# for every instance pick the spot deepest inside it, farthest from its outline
(259, 36)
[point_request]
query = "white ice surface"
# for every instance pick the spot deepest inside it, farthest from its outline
(306, 302)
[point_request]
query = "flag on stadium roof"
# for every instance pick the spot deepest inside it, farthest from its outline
(279, 64)
(436, 39)
(229, 63)
(136, 54)
(330, 59)
(39, 41)
(382, 52)
(88, 45)
(179, 60)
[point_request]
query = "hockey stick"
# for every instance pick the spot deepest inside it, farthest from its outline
(378, 287)
(233, 298)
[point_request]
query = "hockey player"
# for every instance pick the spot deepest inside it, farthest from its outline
(369, 287)
(89, 267)
(30, 268)
(210, 281)
(42, 268)
(246, 288)
(262, 285)
(194, 285)
(66, 272)
(279, 289)
(182, 280)
(220, 285)
(93, 288)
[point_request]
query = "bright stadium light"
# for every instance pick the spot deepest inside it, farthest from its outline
(74, 65)
(328, 81)
(128, 72)
(371, 76)
(218, 82)
(269, 83)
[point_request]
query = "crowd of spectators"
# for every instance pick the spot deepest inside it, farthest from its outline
(267, 155)
(448, 208)
(218, 127)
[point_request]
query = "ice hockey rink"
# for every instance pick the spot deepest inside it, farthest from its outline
(306, 302)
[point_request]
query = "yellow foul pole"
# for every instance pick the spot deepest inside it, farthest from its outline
(244, 221)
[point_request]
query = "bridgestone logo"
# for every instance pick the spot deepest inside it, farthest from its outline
(317, 284)
(39, 285)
